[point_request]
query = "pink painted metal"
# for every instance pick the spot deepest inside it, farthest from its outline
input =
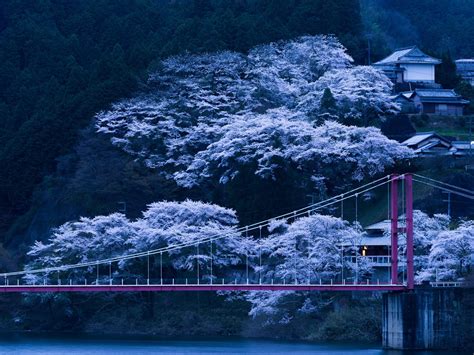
(171, 288)
(409, 230)
(394, 227)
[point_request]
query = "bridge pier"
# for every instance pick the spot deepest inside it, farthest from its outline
(428, 318)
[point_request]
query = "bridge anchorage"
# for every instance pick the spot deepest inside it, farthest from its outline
(400, 187)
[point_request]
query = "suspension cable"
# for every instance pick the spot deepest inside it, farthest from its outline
(444, 183)
(445, 189)
(317, 206)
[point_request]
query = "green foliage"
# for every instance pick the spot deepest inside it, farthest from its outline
(446, 72)
(358, 320)
(328, 103)
(398, 127)
(466, 90)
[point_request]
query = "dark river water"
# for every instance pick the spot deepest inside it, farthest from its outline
(70, 346)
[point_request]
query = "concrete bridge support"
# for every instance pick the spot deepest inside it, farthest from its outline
(428, 318)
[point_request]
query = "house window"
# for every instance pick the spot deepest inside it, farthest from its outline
(442, 107)
(428, 108)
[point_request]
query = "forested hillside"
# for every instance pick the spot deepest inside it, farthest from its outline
(439, 27)
(62, 61)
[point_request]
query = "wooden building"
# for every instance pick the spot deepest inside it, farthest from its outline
(428, 144)
(443, 102)
(465, 69)
(409, 65)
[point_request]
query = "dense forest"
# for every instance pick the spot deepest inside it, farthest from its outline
(63, 61)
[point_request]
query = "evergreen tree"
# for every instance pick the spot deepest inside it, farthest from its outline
(446, 72)
(328, 103)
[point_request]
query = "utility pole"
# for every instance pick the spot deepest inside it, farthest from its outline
(368, 52)
(448, 201)
(123, 206)
(312, 196)
(470, 137)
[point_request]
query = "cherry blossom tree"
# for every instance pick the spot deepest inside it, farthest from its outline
(307, 250)
(278, 140)
(362, 94)
(163, 225)
(191, 102)
(82, 241)
(451, 255)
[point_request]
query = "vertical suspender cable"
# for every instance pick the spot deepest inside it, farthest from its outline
(212, 258)
(197, 262)
(260, 257)
(357, 207)
(357, 246)
(161, 268)
(110, 272)
(342, 261)
(247, 255)
(294, 264)
(342, 206)
(388, 201)
(148, 269)
(97, 273)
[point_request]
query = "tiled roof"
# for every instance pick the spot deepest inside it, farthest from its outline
(418, 138)
(408, 55)
(436, 93)
(462, 144)
(386, 224)
(439, 95)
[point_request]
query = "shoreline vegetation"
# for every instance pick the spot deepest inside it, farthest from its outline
(344, 320)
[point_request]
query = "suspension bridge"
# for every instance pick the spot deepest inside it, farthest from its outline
(400, 195)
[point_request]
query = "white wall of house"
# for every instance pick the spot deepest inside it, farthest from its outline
(419, 72)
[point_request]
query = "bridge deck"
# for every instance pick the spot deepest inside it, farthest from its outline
(195, 287)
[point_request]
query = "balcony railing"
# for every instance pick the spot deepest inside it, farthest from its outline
(376, 260)
(446, 284)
